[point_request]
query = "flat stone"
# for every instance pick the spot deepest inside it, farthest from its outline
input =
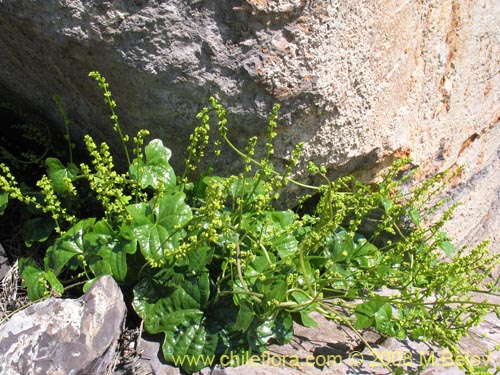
(65, 336)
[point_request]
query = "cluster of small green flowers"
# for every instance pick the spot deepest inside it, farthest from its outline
(51, 203)
(272, 124)
(139, 143)
(139, 194)
(221, 114)
(278, 181)
(105, 181)
(261, 202)
(8, 184)
(180, 251)
(70, 187)
(198, 141)
(291, 163)
(314, 169)
(250, 152)
(210, 212)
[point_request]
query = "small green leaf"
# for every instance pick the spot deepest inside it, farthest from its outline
(366, 314)
(447, 247)
(245, 316)
(415, 216)
(55, 284)
(383, 318)
(118, 260)
(89, 283)
(386, 203)
(156, 171)
(307, 321)
(279, 329)
(33, 279)
(300, 297)
(58, 173)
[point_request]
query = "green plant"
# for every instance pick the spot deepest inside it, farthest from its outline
(218, 270)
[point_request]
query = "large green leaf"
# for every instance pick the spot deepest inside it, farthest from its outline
(158, 229)
(171, 211)
(109, 251)
(279, 329)
(285, 245)
(154, 241)
(197, 258)
(339, 246)
(139, 214)
(69, 246)
(168, 291)
(156, 170)
(274, 289)
(172, 303)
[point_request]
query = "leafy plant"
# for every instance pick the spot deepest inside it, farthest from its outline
(217, 269)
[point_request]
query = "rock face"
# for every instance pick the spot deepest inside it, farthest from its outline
(360, 82)
(61, 336)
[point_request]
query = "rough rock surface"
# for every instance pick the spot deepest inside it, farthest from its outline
(62, 336)
(335, 350)
(361, 82)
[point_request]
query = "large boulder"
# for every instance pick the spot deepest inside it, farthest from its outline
(64, 336)
(360, 82)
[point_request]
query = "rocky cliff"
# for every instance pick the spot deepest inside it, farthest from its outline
(360, 82)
